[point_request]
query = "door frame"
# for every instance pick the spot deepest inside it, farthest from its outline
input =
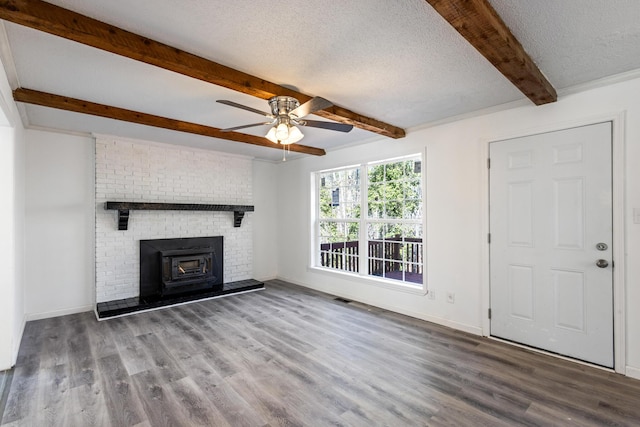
(618, 248)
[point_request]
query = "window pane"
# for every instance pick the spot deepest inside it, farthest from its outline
(350, 210)
(393, 231)
(339, 194)
(328, 229)
(395, 190)
(412, 209)
(413, 273)
(375, 192)
(351, 194)
(376, 210)
(393, 270)
(413, 190)
(353, 231)
(376, 173)
(412, 231)
(393, 209)
(339, 245)
(325, 202)
(375, 231)
(394, 171)
(413, 169)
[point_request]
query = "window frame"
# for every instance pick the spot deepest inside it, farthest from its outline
(364, 221)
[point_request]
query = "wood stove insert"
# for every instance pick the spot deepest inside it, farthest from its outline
(179, 266)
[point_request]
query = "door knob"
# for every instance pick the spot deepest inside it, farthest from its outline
(602, 263)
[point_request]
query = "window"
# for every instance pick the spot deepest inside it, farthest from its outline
(339, 225)
(369, 220)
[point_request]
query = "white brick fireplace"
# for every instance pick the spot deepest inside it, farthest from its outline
(137, 171)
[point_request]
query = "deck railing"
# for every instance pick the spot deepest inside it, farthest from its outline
(388, 258)
(331, 255)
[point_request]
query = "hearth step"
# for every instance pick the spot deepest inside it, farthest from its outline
(116, 308)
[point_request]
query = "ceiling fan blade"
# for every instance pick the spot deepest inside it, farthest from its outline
(243, 107)
(314, 104)
(340, 127)
(245, 126)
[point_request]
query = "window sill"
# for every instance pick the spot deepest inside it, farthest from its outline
(393, 285)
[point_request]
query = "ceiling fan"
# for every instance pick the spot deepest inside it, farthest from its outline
(285, 117)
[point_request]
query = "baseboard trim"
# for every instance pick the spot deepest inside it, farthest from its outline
(433, 319)
(56, 313)
(632, 372)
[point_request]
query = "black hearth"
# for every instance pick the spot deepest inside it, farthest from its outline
(170, 267)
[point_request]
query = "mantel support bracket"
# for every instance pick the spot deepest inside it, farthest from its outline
(123, 219)
(237, 218)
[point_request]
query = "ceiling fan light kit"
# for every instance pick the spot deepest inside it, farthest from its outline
(285, 117)
(283, 134)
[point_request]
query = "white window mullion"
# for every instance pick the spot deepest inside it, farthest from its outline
(363, 246)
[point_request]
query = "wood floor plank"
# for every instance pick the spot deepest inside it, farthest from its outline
(290, 356)
(101, 340)
(193, 406)
(233, 408)
(82, 365)
(220, 359)
(130, 350)
(124, 406)
(52, 397)
(157, 403)
(87, 407)
(264, 399)
(165, 365)
(24, 386)
(54, 339)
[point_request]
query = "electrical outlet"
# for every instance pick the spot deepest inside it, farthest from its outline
(451, 297)
(431, 294)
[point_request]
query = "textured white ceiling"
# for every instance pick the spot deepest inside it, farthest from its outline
(398, 62)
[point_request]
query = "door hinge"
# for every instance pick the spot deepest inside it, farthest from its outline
(489, 313)
(488, 163)
(489, 238)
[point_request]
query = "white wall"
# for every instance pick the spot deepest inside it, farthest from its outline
(12, 226)
(455, 208)
(8, 286)
(60, 224)
(11, 244)
(265, 232)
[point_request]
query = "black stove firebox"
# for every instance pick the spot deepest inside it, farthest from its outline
(170, 267)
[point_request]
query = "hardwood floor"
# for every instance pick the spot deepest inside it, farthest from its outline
(291, 356)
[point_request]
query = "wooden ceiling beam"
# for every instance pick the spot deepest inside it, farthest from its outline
(44, 99)
(479, 23)
(64, 23)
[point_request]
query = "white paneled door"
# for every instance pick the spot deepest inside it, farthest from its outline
(551, 237)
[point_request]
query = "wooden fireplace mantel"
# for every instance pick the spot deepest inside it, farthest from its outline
(123, 209)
